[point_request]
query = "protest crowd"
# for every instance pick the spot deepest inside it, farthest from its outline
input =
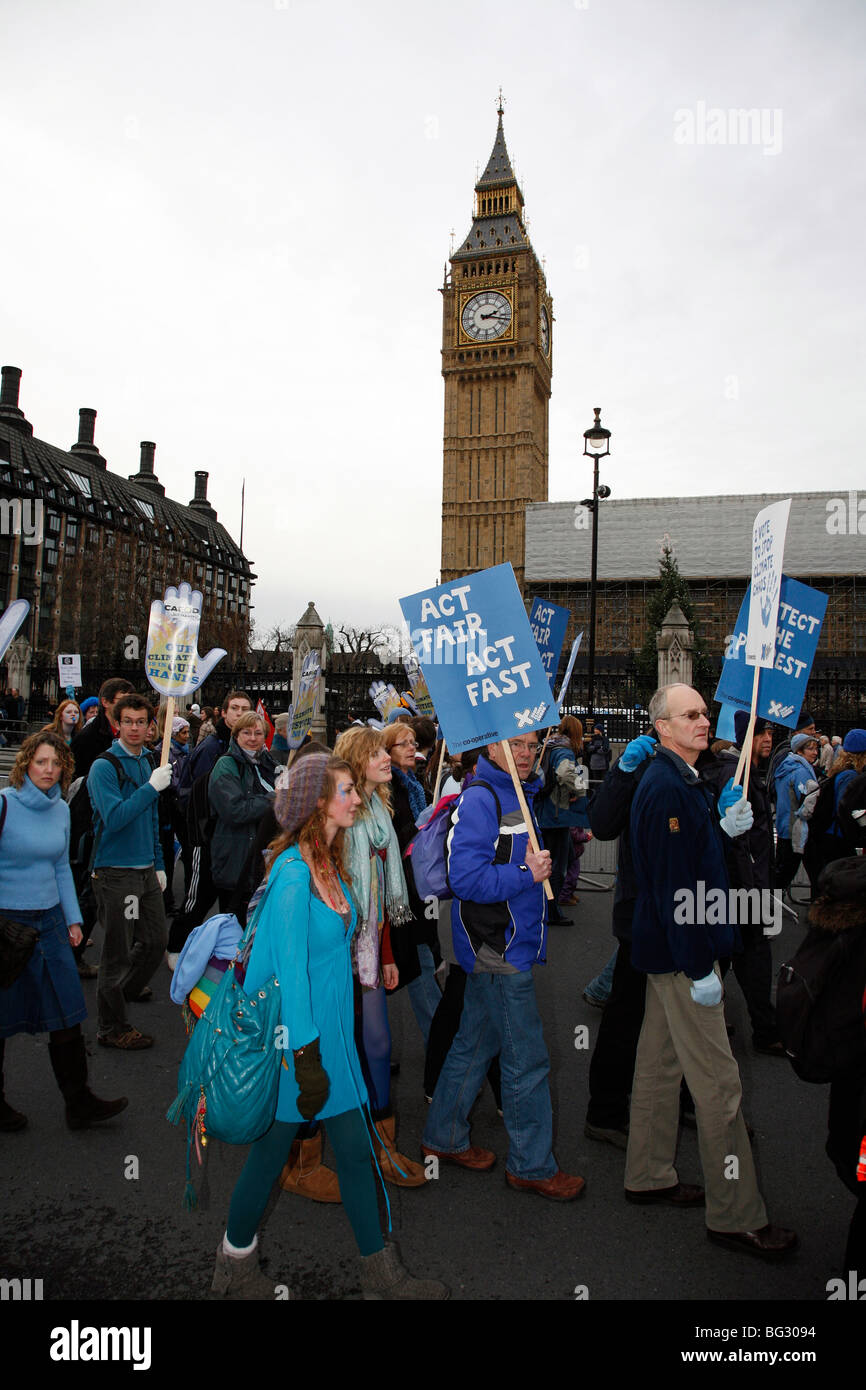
(301, 876)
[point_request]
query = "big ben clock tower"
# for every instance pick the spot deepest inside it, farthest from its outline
(496, 360)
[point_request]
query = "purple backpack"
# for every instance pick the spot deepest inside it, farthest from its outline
(426, 850)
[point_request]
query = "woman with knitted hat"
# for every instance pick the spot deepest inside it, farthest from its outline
(303, 938)
(381, 902)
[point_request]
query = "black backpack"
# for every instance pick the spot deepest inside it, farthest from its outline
(821, 1002)
(200, 819)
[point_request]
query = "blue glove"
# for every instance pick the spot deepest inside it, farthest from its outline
(729, 797)
(708, 990)
(635, 752)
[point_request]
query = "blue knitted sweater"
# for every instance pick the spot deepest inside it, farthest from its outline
(34, 852)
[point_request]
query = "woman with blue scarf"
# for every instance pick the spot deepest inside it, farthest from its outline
(381, 902)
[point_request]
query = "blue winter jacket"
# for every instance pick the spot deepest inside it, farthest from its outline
(679, 861)
(793, 773)
(125, 811)
(496, 902)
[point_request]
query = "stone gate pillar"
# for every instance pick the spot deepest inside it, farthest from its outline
(18, 667)
(674, 645)
(310, 637)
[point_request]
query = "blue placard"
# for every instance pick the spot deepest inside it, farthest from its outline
(783, 687)
(484, 671)
(548, 622)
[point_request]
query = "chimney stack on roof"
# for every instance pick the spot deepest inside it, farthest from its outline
(146, 475)
(85, 447)
(200, 500)
(10, 381)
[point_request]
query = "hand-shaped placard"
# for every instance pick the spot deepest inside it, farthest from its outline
(172, 663)
(11, 621)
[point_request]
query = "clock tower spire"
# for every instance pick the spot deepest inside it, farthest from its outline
(496, 361)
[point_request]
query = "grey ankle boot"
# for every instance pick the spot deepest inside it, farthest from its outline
(239, 1276)
(383, 1277)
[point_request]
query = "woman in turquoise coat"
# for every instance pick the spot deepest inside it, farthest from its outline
(303, 937)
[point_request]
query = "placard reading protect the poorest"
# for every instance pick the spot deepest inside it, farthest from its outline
(473, 640)
(782, 690)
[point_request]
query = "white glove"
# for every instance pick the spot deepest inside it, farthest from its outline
(708, 990)
(160, 777)
(162, 879)
(738, 818)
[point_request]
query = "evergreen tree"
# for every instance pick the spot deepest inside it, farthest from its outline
(672, 588)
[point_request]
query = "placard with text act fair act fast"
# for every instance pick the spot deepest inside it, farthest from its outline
(473, 640)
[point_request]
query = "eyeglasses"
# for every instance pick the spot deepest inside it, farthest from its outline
(691, 715)
(405, 743)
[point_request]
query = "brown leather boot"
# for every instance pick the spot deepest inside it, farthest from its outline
(391, 1161)
(306, 1174)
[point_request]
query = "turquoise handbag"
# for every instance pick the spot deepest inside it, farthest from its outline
(229, 1075)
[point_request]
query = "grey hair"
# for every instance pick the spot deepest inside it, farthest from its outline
(658, 705)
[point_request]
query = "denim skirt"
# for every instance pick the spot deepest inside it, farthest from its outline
(47, 994)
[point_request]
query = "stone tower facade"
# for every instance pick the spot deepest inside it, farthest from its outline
(497, 325)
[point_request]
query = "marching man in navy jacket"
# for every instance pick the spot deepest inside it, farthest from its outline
(682, 926)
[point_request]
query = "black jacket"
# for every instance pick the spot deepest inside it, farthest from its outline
(749, 857)
(95, 738)
(609, 812)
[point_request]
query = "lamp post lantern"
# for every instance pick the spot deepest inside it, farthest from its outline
(596, 446)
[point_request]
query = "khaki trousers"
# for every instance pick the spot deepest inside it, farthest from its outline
(681, 1038)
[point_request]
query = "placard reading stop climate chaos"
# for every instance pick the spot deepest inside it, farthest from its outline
(483, 668)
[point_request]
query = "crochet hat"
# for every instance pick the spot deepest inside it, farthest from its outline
(854, 741)
(179, 723)
(304, 783)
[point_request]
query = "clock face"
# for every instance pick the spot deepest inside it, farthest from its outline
(486, 316)
(544, 330)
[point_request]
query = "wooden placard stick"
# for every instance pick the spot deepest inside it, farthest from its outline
(745, 760)
(543, 746)
(166, 733)
(533, 838)
(439, 773)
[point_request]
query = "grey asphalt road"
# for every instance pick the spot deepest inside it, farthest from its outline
(97, 1214)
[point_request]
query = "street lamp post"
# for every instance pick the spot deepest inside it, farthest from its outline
(596, 446)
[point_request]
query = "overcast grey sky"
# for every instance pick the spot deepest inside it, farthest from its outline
(225, 225)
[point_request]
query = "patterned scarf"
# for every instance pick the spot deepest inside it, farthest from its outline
(414, 790)
(373, 831)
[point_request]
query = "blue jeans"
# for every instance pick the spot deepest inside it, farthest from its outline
(500, 1016)
(602, 985)
(424, 993)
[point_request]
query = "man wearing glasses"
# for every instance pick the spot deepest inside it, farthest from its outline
(681, 928)
(499, 928)
(128, 873)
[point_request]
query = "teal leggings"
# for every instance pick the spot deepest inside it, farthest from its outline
(348, 1135)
